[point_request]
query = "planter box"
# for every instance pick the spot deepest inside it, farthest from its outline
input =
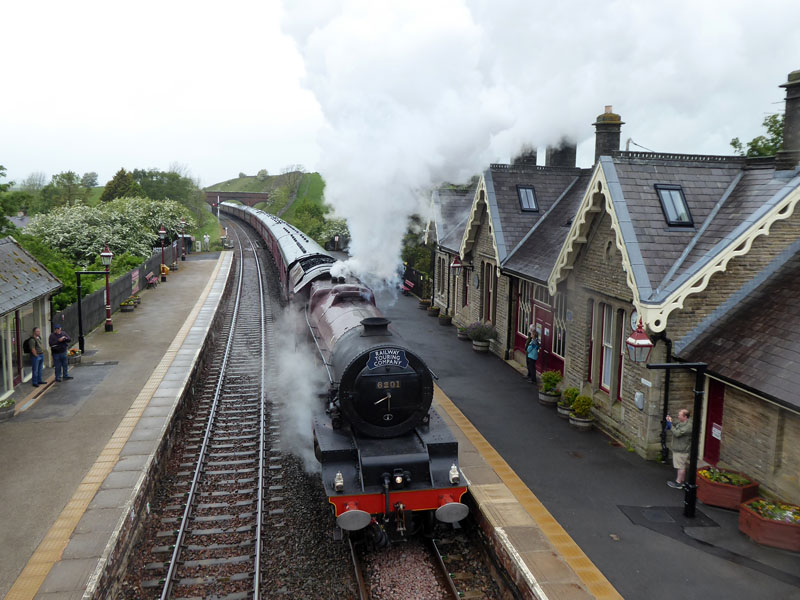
(433, 311)
(777, 534)
(581, 423)
(563, 411)
(480, 346)
(7, 412)
(127, 308)
(445, 320)
(725, 495)
(462, 335)
(74, 360)
(549, 399)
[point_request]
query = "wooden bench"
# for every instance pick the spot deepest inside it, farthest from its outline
(407, 287)
(152, 280)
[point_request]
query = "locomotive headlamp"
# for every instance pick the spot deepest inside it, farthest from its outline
(454, 475)
(398, 479)
(338, 482)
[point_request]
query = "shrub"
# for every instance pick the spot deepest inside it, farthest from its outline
(582, 407)
(720, 476)
(481, 331)
(550, 381)
(568, 397)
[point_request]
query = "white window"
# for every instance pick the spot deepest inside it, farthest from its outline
(527, 198)
(673, 203)
(541, 294)
(560, 325)
(607, 352)
(524, 307)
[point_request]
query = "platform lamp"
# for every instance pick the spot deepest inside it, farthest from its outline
(639, 345)
(162, 233)
(106, 256)
(183, 238)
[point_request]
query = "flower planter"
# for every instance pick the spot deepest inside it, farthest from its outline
(433, 311)
(445, 320)
(126, 308)
(480, 346)
(563, 411)
(6, 412)
(74, 360)
(778, 534)
(725, 495)
(581, 423)
(549, 398)
(462, 335)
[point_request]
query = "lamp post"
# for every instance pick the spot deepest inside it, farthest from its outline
(639, 347)
(106, 255)
(162, 233)
(183, 238)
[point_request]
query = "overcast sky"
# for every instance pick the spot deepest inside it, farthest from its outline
(372, 93)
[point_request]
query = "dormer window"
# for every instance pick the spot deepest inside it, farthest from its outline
(527, 197)
(673, 203)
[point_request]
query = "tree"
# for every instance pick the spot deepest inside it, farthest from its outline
(89, 180)
(34, 182)
(121, 185)
(5, 207)
(763, 145)
(262, 175)
(63, 190)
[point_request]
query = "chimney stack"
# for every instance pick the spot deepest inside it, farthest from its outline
(607, 133)
(564, 156)
(789, 155)
(526, 156)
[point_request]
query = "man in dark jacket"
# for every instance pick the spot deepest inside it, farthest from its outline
(58, 347)
(681, 444)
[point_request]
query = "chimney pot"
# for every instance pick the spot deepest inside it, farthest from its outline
(563, 155)
(608, 109)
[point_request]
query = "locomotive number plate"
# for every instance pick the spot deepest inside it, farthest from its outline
(388, 385)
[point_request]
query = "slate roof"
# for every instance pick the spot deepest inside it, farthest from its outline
(510, 223)
(536, 254)
(22, 278)
(725, 196)
(757, 342)
(451, 208)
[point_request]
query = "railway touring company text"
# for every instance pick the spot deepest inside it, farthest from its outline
(387, 357)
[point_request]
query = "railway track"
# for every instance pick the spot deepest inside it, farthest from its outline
(453, 565)
(206, 539)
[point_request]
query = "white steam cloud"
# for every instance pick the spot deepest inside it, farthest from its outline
(415, 93)
(296, 389)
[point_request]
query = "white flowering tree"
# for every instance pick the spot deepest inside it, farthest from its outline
(126, 224)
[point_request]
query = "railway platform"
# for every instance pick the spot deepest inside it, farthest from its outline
(76, 450)
(576, 514)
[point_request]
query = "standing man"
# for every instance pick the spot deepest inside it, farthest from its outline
(206, 240)
(681, 444)
(58, 347)
(37, 357)
(532, 352)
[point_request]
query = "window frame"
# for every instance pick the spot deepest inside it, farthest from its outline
(606, 346)
(560, 325)
(524, 306)
(522, 204)
(669, 188)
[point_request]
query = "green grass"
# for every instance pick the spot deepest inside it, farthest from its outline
(93, 198)
(309, 191)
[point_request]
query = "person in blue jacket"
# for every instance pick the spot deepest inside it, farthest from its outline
(532, 350)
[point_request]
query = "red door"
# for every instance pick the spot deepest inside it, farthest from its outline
(713, 434)
(544, 325)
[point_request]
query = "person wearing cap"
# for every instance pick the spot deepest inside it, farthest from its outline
(58, 347)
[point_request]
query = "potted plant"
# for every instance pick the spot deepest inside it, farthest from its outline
(445, 319)
(73, 356)
(481, 333)
(771, 522)
(127, 305)
(433, 311)
(564, 405)
(424, 303)
(462, 332)
(7, 408)
(727, 489)
(137, 299)
(581, 416)
(549, 394)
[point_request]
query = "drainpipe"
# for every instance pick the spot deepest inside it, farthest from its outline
(665, 407)
(509, 335)
(447, 309)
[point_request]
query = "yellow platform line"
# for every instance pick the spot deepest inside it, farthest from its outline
(51, 548)
(594, 580)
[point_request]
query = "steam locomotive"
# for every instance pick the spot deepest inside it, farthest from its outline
(389, 462)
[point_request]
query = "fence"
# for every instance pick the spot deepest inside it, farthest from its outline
(422, 283)
(93, 306)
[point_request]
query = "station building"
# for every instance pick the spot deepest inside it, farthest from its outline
(25, 290)
(703, 250)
